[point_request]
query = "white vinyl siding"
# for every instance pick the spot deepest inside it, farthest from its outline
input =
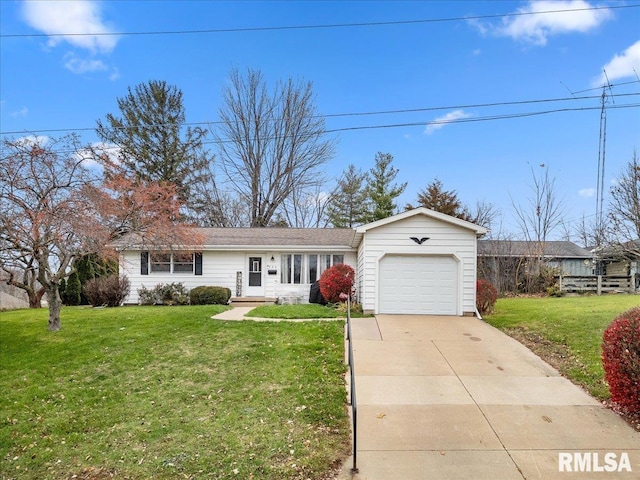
(220, 268)
(445, 240)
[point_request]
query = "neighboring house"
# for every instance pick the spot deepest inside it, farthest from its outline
(619, 260)
(504, 262)
(417, 262)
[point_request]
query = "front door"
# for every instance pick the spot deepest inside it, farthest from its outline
(255, 287)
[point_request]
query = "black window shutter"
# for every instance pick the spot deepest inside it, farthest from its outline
(144, 263)
(198, 260)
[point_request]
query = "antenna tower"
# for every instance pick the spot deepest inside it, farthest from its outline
(602, 144)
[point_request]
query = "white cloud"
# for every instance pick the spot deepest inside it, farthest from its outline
(587, 192)
(536, 28)
(450, 117)
(115, 74)
(81, 19)
(23, 112)
(81, 65)
(89, 155)
(622, 66)
(35, 140)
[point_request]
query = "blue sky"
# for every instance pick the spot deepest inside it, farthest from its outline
(414, 55)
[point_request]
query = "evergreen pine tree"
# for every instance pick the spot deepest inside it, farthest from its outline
(380, 189)
(154, 143)
(435, 197)
(85, 271)
(73, 290)
(62, 287)
(348, 206)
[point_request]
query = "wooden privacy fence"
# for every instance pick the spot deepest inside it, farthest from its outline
(596, 283)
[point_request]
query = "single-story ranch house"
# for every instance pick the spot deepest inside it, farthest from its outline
(417, 262)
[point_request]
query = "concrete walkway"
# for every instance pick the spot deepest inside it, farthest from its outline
(235, 313)
(454, 398)
(239, 314)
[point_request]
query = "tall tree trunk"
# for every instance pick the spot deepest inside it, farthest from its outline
(55, 305)
(35, 298)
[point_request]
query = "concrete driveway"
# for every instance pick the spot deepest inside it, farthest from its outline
(453, 397)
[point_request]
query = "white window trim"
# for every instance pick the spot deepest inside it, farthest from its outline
(304, 274)
(172, 264)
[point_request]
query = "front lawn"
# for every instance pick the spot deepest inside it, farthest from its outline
(566, 331)
(167, 392)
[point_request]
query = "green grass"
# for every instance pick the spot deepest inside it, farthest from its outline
(305, 311)
(576, 323)
(167, 392)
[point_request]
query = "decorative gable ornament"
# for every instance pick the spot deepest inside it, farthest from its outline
(419, 241)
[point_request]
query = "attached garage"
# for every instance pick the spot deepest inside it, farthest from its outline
(419, 262)
(418, 284)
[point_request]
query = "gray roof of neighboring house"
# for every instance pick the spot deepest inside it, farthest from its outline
(628, 250)
(518, 248)
(263, 237)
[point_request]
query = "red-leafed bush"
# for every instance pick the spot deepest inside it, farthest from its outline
(486, 296)
(621, 359)
(335, 281)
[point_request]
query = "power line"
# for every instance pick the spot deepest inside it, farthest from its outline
(481, 119)
(313, 26)
(355, 114)
(508, 116)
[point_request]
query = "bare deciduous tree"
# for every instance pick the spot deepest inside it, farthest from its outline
(590, 233)
(41, 212)
(624, 207)
(19, 271)
(538, 220)
(544, 212)
(54, 209)
(306, 208)
(271, 145)
(484, 214)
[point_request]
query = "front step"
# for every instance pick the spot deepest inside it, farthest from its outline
(252, 301)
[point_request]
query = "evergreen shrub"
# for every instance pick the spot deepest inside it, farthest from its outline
(208, 295)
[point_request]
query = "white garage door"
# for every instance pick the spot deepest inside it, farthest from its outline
(418, 285)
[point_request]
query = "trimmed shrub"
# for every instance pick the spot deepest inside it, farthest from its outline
(621, 359)
(205, 295)
(164, 294)
(110, 291)
(336, 280)
(486, 296)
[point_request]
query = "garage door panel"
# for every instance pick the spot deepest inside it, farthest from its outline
(418, 285)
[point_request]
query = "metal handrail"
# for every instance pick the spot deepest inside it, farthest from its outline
(352, 389)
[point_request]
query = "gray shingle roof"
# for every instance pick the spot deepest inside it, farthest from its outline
(517, 248)
(277, 236)
(265, 237)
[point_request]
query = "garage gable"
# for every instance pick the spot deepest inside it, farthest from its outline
(418, 262)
